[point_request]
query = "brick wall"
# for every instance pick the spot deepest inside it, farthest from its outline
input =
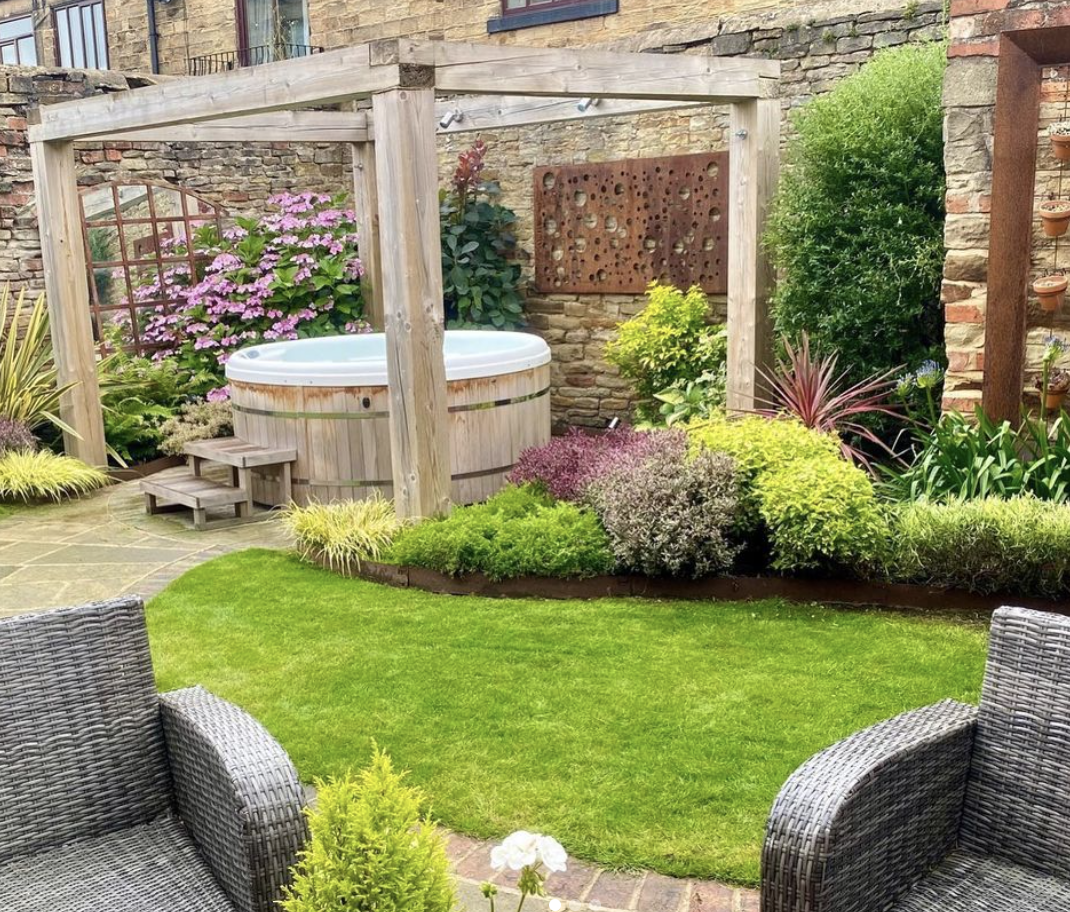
(969, 101)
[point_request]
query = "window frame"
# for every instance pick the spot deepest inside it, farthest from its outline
(548, 13)
(14, 42)
(65, 8)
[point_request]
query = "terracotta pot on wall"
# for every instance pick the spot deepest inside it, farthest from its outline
(1050, 290)
(1055, 215)
(1053, 399)
(1059, 133)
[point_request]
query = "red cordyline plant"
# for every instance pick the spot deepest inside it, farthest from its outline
(809, 387)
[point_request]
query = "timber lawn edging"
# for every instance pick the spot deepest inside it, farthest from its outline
(852, 593)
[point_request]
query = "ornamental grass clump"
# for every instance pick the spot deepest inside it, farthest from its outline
(345, 533)
(1019, 545)
(372, 849)
(567, 465)
(670, 515)
(27, 476)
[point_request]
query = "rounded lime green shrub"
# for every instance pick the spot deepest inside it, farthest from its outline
(371, 849)
(26, 475)
(821, 513)
(757, 444)
(519, 532)
(857, 230)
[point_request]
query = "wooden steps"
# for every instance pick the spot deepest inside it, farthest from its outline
(202, 494)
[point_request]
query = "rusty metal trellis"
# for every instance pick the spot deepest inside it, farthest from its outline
(614, 227)
(134, 232)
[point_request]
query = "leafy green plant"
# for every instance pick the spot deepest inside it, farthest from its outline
(481, 278)
(29, 389)
(692, 400)
(758, 444)
(519, 532)
(196, 421)
(102, 243)
(857, 230)
(669, 341)
(344, 533)
(1019, 545)
(27, 475)
(820, 513)
(371, 849)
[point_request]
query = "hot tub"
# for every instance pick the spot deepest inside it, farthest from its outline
(327, 398)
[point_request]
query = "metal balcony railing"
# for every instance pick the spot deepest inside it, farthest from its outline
(245, 57)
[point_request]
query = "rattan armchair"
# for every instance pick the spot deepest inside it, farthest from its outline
(944, 809)
(114, 798)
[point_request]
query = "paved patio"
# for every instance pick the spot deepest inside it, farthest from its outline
(105, 545)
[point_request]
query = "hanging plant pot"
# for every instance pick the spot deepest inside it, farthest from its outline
(1053, 399)
(1059, 133)
(1055, 214)
(1050, 290)
(1056, 390)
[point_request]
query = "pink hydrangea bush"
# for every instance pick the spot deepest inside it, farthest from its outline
(290, 274)
(567, 465)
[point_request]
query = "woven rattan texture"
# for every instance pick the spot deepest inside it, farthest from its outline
(154, 867)
(237, 792)
(1018, 801)
(81, 747)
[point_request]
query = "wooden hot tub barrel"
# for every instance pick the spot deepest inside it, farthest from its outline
(342, 436)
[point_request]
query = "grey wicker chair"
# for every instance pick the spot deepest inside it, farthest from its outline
(947, 808)
(114, 798)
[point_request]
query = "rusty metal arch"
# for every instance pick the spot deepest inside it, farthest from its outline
(127, 238)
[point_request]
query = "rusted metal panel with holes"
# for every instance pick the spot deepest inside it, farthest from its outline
(615, 227)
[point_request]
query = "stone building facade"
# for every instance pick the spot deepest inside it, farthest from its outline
(817, 43)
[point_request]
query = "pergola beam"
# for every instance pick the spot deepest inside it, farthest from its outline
(492, 112)
(276, 126)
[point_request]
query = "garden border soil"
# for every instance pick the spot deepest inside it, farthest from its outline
(853, 593)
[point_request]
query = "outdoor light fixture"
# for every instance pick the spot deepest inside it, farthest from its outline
(451, 117)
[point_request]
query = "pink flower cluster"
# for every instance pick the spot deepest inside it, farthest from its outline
(292, 273)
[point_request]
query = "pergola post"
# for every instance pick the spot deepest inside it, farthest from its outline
(754, 151)
(366, 207)
(59, 220)
(407, 181)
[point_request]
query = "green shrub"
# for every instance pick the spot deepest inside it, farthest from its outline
(858, 226)
(670, 342)
(196, 421)
(1020, 545)
(758, 444)
(26, 475)
(820, 513)
(370, 849)
(519, 532)
(343, 533)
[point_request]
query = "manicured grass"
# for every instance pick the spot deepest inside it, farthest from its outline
(640, 733)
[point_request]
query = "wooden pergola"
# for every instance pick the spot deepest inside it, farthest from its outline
(477, 87)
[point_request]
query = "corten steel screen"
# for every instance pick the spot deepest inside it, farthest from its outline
(615, 227)
(136, 232)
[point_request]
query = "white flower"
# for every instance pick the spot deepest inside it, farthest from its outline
(522, 849)
(551, 853)
(517, 851)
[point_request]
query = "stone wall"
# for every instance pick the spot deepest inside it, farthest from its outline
(969, 101)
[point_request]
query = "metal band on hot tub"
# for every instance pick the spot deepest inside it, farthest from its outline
(358, 416)
(381, 483)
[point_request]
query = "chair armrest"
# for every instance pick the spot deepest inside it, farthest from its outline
(857, 824)
(237, 793)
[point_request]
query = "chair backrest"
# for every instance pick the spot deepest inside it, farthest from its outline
(81, 742)
(1018, 796)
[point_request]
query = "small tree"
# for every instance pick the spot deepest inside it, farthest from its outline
(857, 229)
(370, 849)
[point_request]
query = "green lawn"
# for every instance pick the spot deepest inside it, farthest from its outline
(640, 733)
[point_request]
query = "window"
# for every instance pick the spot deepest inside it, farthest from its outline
(81, 36)
(16, 42)
(526, 13)
(272, 30)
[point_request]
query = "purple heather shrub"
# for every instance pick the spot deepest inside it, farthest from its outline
(670, 515)
(567, 465)
(290, 274)
(15, 435)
